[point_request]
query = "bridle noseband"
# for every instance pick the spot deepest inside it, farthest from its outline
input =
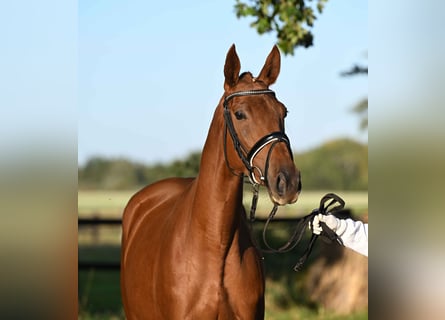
(247, 157)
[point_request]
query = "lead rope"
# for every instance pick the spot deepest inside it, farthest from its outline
(326, 231)
(301, 227)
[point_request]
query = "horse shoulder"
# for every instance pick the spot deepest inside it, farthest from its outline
(142, 226)
(148, 199)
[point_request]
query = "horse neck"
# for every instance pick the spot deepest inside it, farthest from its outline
(218, 196)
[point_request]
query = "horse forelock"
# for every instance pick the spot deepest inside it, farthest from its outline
(245, 74)
(248, 79)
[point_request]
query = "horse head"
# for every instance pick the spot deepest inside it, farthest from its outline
(254, 119)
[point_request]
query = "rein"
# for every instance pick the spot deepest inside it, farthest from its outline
(301, 227)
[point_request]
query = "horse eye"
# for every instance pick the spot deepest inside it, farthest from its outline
(240, 115)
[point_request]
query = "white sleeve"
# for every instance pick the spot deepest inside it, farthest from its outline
(354, 235)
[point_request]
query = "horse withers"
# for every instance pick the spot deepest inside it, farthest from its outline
(187, 251)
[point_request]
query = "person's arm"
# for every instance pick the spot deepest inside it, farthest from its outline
(354, 234)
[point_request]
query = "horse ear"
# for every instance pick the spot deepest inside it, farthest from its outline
(271, 68)
(231, 68)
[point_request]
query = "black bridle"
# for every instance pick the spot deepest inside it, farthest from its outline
(246, 156)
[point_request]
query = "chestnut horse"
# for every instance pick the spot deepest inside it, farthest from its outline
(187, 251)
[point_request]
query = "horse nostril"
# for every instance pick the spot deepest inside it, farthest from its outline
(281, 184)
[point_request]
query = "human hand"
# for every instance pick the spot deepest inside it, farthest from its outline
(331, 222)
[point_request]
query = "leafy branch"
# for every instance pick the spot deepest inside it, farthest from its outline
(290, 19)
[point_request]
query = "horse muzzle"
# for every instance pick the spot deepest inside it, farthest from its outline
(285, 186)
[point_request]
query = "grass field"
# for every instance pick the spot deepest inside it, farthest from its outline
(99, 291)
(112, 203)
(100, 299)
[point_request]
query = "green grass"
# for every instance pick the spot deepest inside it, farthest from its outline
(357, 201)
(99, 299)
(298, 312)
(99, 291)
(103, 202)
(112, 203)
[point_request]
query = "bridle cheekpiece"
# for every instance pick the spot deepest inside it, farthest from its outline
(247, 157)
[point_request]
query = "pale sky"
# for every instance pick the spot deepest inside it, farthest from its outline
(150, 75)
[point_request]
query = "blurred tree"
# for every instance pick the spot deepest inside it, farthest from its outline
(355, 70)
(337, 165)
(360, 108)
(290, 19)
(93, 173)
(121, 174)
(100, 173)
